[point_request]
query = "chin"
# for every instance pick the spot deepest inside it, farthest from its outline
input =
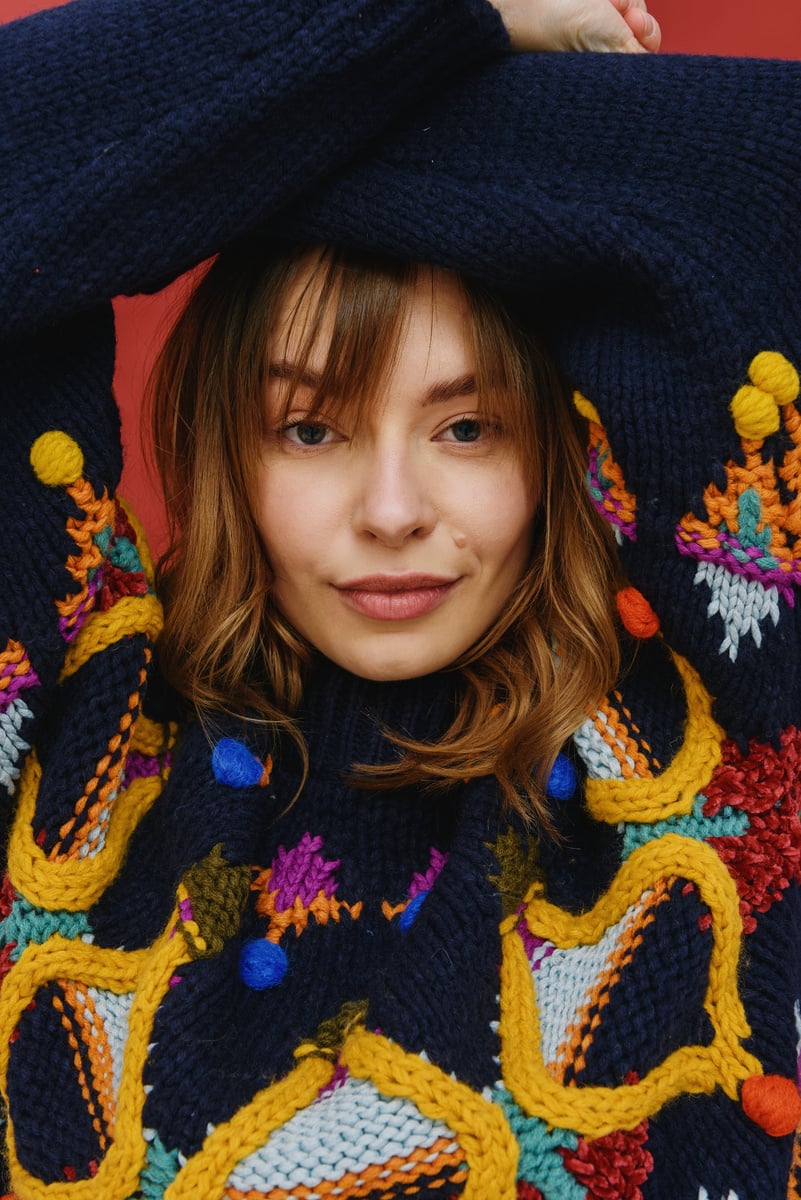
(392, 668)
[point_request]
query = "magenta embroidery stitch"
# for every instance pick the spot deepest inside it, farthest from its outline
(70, 626)
(425, 882)
(537, 949)
(301, 873)
(144, 766)
(16, 684)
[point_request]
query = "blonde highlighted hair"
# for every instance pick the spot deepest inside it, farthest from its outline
(529, 681)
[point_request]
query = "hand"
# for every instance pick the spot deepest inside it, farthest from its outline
(622, 26)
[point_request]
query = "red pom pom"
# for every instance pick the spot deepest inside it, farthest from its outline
(636, 613)
(773, 1103)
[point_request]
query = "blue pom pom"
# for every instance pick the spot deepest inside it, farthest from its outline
(562, 781)
(262, 965)
(411, 910)
(233, 764)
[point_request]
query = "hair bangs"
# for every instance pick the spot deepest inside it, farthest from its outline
(339, 341)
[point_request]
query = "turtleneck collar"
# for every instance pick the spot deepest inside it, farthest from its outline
(344, 715)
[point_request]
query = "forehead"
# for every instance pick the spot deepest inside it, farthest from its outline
(330, 308)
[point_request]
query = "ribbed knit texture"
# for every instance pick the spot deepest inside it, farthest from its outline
(208, 992)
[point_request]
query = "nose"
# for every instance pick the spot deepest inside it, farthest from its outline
(394, 499)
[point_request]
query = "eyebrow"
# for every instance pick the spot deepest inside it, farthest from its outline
(451, 389)
(446, 389)
(287, 370)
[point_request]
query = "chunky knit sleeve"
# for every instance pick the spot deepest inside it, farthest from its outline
(136, 139)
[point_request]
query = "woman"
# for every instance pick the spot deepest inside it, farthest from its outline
(619, 948)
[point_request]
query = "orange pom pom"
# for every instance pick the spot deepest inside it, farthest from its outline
(773, 1103)
(636, 613)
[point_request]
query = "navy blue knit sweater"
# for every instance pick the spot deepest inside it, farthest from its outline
(207, 995)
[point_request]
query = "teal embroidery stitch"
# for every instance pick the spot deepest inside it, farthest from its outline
(26, 923)
(540, 1161)
(727, 822)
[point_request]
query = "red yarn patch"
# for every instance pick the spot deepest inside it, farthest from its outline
(611, 1167)
(766, 784)
(527, 1191)
(118, 583)
(6, 961)
(7, 896)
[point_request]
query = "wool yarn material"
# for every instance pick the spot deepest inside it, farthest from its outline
(209, 994)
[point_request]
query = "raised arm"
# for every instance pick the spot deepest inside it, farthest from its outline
(142, 135)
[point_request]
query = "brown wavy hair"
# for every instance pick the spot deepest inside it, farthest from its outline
(529, 681)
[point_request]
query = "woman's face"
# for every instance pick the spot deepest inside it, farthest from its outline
(396, 540)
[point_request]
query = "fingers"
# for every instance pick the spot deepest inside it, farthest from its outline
(644, 27)
(622, 26)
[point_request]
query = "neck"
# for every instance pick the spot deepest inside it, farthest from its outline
(345, 717)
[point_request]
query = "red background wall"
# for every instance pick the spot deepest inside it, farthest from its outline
(689, 26)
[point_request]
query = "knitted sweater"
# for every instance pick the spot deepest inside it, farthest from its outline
(208, 993)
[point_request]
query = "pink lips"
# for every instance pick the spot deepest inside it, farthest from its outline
(396, 597)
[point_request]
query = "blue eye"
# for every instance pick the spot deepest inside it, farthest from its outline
(306, 433)
(466, 430)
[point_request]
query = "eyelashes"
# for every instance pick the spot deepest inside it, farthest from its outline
(464, 430)
(308, 433)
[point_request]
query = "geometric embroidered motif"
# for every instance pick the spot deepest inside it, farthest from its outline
(299, 883)
(667, 925)
(106, 565)
(352, 1141)
(16, 676)
(573, 985)
(605, 482)
(748, 546)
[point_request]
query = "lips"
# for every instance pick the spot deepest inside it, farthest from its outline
(396, 597)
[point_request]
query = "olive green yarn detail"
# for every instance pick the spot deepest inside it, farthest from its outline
(218, 893)
(517, 855)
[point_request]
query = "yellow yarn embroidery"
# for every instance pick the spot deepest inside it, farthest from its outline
(206, 1172)
(596, 1111)
(480, 1126)
(672, 792)
(71, 884)
(130, 615)
(147, 972)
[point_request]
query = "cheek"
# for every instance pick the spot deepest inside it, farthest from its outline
(275, 516)
(504, 514)
(295, 523)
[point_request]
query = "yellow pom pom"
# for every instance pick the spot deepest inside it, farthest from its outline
(755, 413)
(771, 372)
(586, 408)
(57, 459)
